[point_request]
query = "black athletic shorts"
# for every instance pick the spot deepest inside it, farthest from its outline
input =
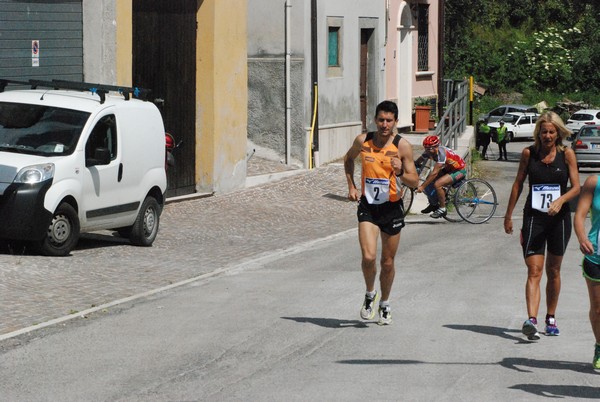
(539, 231)
(389, 216)
(590, 270)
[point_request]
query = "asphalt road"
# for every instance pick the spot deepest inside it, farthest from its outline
(284, 324)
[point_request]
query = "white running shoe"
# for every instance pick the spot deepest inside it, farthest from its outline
(385, 315)
(367, 311)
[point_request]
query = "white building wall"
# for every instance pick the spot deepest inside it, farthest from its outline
(339, 102)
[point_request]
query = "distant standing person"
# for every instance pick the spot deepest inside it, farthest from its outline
(588, 244)
(484, 138)
(546, 229)
(384, 156)
(502, 140)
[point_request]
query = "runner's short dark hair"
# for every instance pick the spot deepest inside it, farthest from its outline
(387, 106)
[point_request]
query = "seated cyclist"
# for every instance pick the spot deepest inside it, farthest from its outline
(448, 169)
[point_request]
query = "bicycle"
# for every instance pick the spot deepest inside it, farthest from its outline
(473, 200)
(407, 195)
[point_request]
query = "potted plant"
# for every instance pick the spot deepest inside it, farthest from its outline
(422, 113)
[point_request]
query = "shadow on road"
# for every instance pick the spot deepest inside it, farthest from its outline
(329, 322)
(487, 330)
(87, 241)
(513, 363)
(559, 391)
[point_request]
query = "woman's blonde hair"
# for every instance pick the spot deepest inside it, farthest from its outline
(551, 117)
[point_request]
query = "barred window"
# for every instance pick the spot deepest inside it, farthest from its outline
(423, 37)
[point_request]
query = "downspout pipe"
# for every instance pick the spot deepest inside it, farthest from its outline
(288, 88)
(315, 80)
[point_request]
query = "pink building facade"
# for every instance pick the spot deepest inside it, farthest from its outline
(412, 57)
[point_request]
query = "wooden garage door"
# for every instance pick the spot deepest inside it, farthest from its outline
(164, 60)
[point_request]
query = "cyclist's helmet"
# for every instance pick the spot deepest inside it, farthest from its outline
(431, 141)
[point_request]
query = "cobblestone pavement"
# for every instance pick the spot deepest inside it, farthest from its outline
(196, 237)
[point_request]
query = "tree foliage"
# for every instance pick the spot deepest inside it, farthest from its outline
(521, 45)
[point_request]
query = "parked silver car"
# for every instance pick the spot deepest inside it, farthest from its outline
(586, 144)
(499, 112)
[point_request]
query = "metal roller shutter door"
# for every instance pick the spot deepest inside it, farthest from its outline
(58, 27)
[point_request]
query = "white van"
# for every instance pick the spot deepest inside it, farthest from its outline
(76, 161)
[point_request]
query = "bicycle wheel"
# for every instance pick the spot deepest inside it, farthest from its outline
(451, 210)
(407, 194)
(475, 201)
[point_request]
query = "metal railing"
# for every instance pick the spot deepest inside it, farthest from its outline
(454, 120)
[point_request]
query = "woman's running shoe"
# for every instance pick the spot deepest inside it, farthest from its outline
(551, 328)
(596, 361)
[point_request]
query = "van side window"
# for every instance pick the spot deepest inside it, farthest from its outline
(104, 135)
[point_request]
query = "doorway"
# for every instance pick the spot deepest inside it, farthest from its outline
(164, 60)
(365, 37)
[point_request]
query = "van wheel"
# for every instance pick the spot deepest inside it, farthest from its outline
(510, 136)
(63, 232)
(145, 227)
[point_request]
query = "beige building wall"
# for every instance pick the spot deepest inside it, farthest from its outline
(221, 82)
(124, 45)
(222, 96)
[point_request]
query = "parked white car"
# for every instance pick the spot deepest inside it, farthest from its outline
(79, 161)
(582, 118)
(518, 125)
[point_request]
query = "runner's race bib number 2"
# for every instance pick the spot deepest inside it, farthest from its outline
(543, 195)
(377, 191)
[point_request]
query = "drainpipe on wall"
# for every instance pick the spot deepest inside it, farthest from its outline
(315, 80)
(288, 89)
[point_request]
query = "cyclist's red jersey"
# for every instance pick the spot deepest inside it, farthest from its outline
(447, 157)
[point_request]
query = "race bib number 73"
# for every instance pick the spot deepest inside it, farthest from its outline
(542, 196)
(377, 191)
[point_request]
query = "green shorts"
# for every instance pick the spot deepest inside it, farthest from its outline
(458, 175)
(590, 270)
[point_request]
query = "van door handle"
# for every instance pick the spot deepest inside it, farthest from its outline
(120, 172)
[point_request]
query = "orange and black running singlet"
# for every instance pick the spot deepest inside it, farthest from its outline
(378, 178)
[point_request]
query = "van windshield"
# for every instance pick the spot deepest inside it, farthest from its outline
(39, 130)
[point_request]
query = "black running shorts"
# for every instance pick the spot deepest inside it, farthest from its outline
(539, 232)
(389, 216)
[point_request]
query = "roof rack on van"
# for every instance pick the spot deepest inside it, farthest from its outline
(100, 89)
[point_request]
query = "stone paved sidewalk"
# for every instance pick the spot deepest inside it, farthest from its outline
(196, 237)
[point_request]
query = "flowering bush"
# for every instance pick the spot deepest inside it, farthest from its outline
(545, 57)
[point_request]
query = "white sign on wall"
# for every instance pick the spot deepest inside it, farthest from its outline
(35, 53)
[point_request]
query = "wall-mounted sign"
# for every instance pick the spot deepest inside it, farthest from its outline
(35, 53)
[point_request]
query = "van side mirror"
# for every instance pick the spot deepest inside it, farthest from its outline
(101, 157)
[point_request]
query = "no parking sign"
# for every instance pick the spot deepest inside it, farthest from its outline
(35, 53)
